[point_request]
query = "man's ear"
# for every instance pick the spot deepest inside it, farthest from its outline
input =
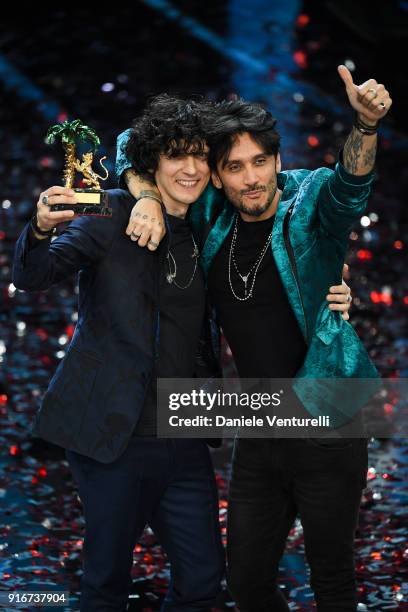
(278, 163)
(216, 180)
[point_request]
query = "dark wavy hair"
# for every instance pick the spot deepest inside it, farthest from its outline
(169, 125)
(231, 118)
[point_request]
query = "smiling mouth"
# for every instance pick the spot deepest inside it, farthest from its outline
(188, 184)
(254, 194)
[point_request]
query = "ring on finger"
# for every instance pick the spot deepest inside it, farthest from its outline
(381, 105)
(349, 298)
(137, 236)
(44, 200)
(153, 243)
(373, 91)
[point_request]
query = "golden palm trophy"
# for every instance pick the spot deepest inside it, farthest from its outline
(91, 200)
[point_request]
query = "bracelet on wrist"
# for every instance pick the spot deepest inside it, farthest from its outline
(36, 229)
(150, 197)
(364, 128)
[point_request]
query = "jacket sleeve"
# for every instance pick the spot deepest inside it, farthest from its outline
(122, 162)
(85, 242)
(342, 200)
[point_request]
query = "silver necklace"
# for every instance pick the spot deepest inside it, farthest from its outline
(254, 268)
(172, 273)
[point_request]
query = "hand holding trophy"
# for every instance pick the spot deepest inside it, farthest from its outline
(91, 200)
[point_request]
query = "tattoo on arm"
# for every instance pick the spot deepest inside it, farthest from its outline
(369, 156)
(128, 176)
(147, 193)
(359, 153)
(131, 173)
(352, 151)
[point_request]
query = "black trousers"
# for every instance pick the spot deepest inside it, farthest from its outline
(273, 481)
(169, 485)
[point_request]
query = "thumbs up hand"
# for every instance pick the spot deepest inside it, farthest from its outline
(371, 100)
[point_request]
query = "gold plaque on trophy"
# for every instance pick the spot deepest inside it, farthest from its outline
(91, 200)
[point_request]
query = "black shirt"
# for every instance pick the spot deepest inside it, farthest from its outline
(262, 332)
(181, 319)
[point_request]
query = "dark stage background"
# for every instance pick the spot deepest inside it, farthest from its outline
(100, 65)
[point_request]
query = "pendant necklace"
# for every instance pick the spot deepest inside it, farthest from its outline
(172, 273)
(248, 292)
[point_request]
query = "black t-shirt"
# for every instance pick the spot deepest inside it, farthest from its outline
(181, 319)
(262, 332)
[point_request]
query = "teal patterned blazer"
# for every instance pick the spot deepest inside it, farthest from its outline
(310, 236)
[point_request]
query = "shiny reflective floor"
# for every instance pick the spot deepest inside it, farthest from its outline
(101, 67)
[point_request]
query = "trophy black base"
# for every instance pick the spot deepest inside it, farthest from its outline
(89, 202)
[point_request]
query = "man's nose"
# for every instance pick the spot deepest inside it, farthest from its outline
(250, 177)
(190, 165)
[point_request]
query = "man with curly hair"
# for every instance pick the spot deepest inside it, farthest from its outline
(140, 316)
(271, 244)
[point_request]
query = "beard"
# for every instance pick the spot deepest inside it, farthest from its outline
(255, 210)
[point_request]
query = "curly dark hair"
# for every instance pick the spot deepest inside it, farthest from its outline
(234, 117)
(169, 125)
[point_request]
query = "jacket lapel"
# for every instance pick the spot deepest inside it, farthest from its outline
(283, 264)
(217, 236)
